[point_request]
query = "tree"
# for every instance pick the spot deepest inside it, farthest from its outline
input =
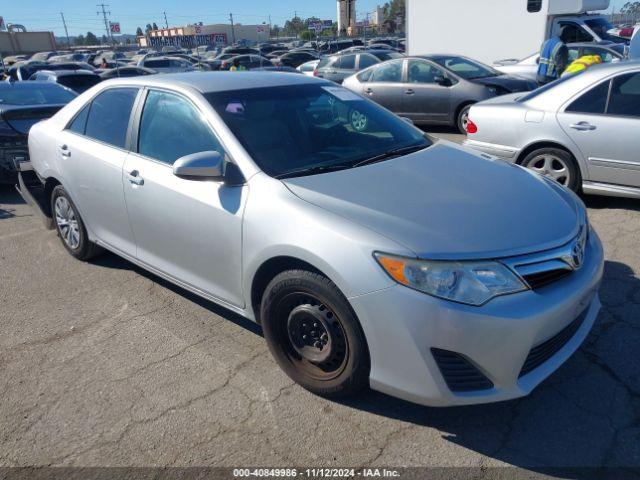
(79, 40)
(91, 39)
(139, 32)
(307, 35)
(148, 28)
(395, 13)
(155, 26)
(293, 27)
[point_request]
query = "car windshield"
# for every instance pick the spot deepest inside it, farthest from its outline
(384, 56)
(466, 68)
(320, 127)
(601, 28)
(34, 94)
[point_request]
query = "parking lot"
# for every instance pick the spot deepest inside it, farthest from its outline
(105, 364)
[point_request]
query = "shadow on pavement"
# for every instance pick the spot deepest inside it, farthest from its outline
(620, 203)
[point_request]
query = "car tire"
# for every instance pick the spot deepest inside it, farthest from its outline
(463, 118)
(70, 227)
(555, 163)
(314, 335)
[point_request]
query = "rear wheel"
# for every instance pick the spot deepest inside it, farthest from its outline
(556, 164)
(70, 226)
(313, 334)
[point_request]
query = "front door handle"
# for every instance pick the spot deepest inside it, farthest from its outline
(135, 178)
(64, 151)
(583, 126)
(409, 91)
(368, 91)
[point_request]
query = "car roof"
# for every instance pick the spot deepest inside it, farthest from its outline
(207, 82)
(66, 73)
(35, 84)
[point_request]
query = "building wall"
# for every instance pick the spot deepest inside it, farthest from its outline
(346, 13)
(26, 42)
(190, 35)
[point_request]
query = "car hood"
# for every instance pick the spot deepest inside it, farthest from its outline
(446, 202)
(509, 82)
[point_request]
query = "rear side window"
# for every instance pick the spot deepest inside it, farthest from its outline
(534, 6)
(625, 96)
(367, 60)
(389, 72)
(108, 118)
(594, 101)
(348, 62)
(171, 127)
(80, 122)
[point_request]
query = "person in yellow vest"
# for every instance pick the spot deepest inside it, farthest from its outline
(237, 66)
(582, 63)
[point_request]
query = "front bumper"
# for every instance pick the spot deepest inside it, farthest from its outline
(402, 327)
(503, 151)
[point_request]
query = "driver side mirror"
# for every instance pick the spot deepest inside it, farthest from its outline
(444, 81)
(209, 164)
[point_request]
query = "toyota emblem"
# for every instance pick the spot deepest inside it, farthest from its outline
(577, 254)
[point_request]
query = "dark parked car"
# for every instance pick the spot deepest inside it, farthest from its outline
(342, 65)
(21, 105)
(339, 45)
(241, 50)
(24, 70)
(77, 80)
(294, 59)
(437, 89)
(129, 71)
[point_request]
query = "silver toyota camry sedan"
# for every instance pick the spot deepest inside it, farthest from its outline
(371, 254)
(582, 131)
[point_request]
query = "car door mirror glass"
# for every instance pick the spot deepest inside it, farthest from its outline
(209, 164)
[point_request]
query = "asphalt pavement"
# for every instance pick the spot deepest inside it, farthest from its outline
(103, 364)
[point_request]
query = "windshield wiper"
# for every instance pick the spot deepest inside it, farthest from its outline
(303, 172)
(396, 152)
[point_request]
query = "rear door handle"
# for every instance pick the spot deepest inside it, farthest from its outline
(583, 126)
(409, 91)
(135, 178)
(368, 91)
(64, 151)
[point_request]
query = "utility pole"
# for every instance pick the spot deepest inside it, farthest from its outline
(66, 32)
(233, 33)
(106, 22)
(166, 22)
(269, 26)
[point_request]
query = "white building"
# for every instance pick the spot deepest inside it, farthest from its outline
(346, 14)
(377, 16)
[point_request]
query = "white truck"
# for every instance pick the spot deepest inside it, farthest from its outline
(492, 30)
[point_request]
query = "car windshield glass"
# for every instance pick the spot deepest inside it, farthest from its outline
(384, 56)
(318, 128)
(466, 68)
(601, 28)
(34, 94)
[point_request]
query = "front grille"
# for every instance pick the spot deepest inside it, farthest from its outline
(540, 279)
(543, 352)
(458, 372)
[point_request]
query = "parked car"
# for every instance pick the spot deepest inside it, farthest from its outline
(238, 50)
(248, 62)
(294, 59)
(581, 130)
(24, 70)
(370, 255)
(42, 56)
(128, 71)
(21, 105)
(528, 67)
(339, 45)
(166, 64)
(76, 80)
(110, 57)
(342, 65)
(436, 89)
(308, 67)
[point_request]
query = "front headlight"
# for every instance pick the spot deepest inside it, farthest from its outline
(472, 283)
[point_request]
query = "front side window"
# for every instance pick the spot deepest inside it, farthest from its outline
(423, 72)
(109, 114)
(389, 72)
(594, 101)
(367, 60)
(348, 62)
(575, 33)
(171, 127)
(625, 96)
(467, 69)
(319, 127)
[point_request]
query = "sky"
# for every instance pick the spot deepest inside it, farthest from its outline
(81, 15)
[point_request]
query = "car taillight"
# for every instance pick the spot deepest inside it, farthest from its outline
(316, 73)
(471, 127)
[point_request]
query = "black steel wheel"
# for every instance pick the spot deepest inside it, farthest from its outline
(314, 335)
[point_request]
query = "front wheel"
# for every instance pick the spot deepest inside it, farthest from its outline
(70, 226)
(313, 334)
(556, 164)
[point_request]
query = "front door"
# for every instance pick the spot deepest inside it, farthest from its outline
(189, 229)
(93, 149)
(385, 85)
(604, 123)
(424, 99)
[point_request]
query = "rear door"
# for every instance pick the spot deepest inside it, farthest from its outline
(92, 150)
(604, 123)
(385, 85)
(189, 229)
(424, 99)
